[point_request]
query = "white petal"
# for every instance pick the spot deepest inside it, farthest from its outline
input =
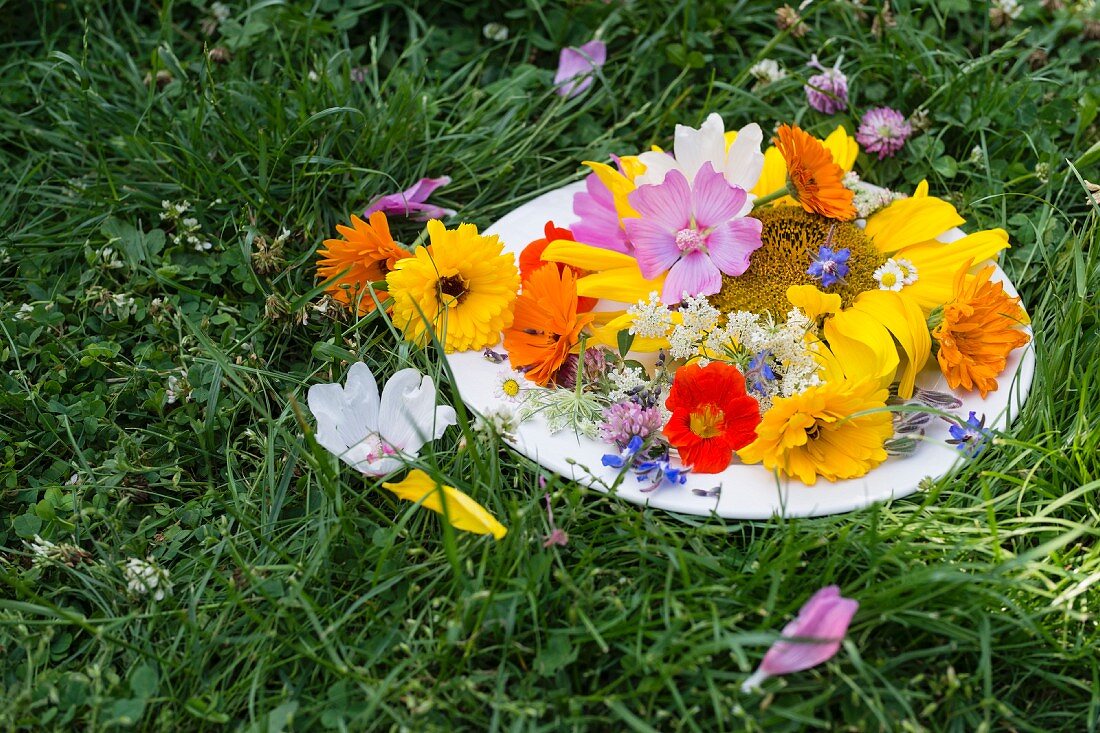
(361, 393)
(695, 147)
(745, 162)
(345, 416)
(657, 165)
(408, 418)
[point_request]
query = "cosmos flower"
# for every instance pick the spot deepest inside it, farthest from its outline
(809, 640)
(412, 202)
(577, 66)
(883, 131)
(694, 232)
(373, 434)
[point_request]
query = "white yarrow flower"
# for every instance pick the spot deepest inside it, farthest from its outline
(372, 433)
(651, 318)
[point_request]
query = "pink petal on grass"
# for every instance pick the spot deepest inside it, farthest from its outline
(732, 243)
(695, 275)
(412, 201)
(812, 638)
(715, 201)
(576, 67)
(667, 203)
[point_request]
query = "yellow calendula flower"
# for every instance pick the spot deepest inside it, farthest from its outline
(814, 433)
(461, 286)
(458, 508)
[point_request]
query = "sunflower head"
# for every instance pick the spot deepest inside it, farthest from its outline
(810, 434)
(813, 177)
(364, 255)
(792, 238)
(979, 329)
(461, 287)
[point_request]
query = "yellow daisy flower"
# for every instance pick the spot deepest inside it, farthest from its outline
(460, 286)
(813, 433)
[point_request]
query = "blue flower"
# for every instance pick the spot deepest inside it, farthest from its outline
(625, 457)
(659, 471)
(831, 266)
(971, 436)
(759, 372)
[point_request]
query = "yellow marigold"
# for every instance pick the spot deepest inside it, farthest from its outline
(365, 255)
(813, 433)
(980, 328)
(461, 286)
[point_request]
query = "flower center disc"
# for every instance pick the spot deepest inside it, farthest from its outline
(690, 240)
(452, 290)
(707, 422)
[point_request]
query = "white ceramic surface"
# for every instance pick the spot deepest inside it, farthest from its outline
(747, 491)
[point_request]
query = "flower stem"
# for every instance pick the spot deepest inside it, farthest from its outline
(785, 191)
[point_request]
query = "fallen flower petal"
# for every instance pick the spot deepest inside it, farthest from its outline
(412, 201)
(812, 638)
(576, 67)
(460, 510)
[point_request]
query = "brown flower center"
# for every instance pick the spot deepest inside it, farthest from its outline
(453, 289)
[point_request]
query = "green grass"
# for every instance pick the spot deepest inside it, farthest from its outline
(307, 598)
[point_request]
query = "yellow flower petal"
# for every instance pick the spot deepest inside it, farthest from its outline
(812, 301)
(461, 511)
(909, 221)
(614, 275)
(843, 148)
(863, 346)
(608, 334)
(937, 264)
(619, 185)
(632, 166)
(904, 319)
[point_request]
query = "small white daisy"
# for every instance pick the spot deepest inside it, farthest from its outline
(510, 385)
(908, 269)
(890, 276)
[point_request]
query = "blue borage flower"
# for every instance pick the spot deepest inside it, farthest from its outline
(625, 457)
(759, 373)
(831, 266)
(970, 437)
(658, 471)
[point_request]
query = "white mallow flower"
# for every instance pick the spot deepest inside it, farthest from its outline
(372, 434)
(741, 164)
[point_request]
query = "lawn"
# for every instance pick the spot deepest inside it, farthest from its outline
(169, 171)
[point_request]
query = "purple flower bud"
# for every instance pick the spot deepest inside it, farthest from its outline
(827, 92)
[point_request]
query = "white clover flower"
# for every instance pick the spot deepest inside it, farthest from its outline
(500, 419)
(889, 276)
(651, 318)
(24, 312)
(220, 11)
(495, 31)
(42, 551)
(767, 71)
(372, 433)
(145, 577)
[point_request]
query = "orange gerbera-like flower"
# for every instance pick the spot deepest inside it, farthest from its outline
(546, 327)
(365, 254)
(813, 178)
(712, 415)
(530, 259)
(980, 328)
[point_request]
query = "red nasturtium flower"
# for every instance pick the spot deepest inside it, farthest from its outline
(712, 415)
(530, 259)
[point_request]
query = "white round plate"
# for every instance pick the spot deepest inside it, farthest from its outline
(747, 491)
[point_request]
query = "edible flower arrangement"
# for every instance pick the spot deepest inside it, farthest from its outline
(718, 303)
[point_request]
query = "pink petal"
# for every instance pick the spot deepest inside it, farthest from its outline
(825, 619)
(714, 201)
(732, 243)
(411, 201)
(599, 221)
(694, 274)
(667, 203)
(576, 66)
(654, 246)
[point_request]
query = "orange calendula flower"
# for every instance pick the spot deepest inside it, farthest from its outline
(365, 254)
(813, 178)
(980, 328)
(546, 327)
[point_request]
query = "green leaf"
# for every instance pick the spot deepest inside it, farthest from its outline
(625, 339)
(27, 525)
(143, 681)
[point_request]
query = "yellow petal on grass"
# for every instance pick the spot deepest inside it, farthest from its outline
(461, 511)
(909, 221)
(619, 185)
(938, 262)
(905, 321)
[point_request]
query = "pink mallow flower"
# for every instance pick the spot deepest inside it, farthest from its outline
(599, 220)
(884, 131)
(577, 66)
(812, 638)
(827, 92)
(695, 232)
(412, 201)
